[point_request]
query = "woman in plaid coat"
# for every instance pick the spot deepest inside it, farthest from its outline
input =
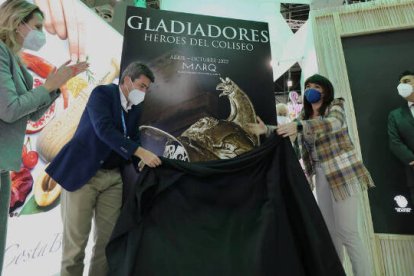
(328, 154)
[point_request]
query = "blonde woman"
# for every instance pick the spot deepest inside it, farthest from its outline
(21, 26)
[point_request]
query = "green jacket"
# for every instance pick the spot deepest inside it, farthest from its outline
(401, 134)
(18, 103)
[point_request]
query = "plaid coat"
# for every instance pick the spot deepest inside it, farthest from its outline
(344, 171)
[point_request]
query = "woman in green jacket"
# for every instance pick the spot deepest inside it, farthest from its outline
(21, 26)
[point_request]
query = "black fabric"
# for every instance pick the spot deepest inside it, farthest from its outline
(130, 175)
(252, 215)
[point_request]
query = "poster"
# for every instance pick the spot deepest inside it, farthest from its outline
(212, 77)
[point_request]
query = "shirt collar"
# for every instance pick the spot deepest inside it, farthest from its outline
(124, 102)
(410, 104)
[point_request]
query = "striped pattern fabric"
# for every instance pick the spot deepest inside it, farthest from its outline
(345, 172)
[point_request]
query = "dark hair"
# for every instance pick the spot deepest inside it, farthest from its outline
(406, 73)
(135, 69)
(327, 98)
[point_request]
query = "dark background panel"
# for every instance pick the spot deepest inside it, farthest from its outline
(374, 63)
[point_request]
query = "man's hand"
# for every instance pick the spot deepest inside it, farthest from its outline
(411, 163)
(147, 157)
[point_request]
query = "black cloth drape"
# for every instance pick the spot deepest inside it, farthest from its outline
(253, 215)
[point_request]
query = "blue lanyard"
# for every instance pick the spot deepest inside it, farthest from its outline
(123, 124)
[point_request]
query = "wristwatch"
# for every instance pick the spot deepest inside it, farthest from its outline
(299, 126)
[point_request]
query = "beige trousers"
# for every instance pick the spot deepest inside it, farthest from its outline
(341, 217)
(100, 199)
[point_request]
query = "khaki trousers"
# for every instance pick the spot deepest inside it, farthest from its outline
(100, 199)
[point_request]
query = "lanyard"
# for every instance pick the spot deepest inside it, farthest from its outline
(123, 124)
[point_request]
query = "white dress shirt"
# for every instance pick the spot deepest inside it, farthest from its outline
(411, 107)
(124, 102)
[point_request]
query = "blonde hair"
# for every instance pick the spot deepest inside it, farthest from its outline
(282, 109)
(12, 14)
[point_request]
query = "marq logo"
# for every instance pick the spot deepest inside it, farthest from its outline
(402, 203)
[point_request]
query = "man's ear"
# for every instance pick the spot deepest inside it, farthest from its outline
(127, 79)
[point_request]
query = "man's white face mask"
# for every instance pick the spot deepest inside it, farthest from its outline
(405, 89)
(135, 96)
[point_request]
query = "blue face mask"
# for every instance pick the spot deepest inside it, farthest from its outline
(312, 95)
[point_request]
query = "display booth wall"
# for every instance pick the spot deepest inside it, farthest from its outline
(362, 49)
(374, 63)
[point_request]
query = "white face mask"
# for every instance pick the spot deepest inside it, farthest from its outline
(136, 96)
(34, 40)
(405, 89)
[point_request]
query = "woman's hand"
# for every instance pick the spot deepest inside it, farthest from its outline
(258, 128)
(63, 74)
(61, 19)
(286, 130)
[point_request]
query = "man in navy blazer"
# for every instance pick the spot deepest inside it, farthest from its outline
(88, 167)
(401, 129)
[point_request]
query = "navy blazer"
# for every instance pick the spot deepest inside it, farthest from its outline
(99, 132)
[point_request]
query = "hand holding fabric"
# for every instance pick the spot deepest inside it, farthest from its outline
(258, 128)
(286, 130)
(148, 158)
